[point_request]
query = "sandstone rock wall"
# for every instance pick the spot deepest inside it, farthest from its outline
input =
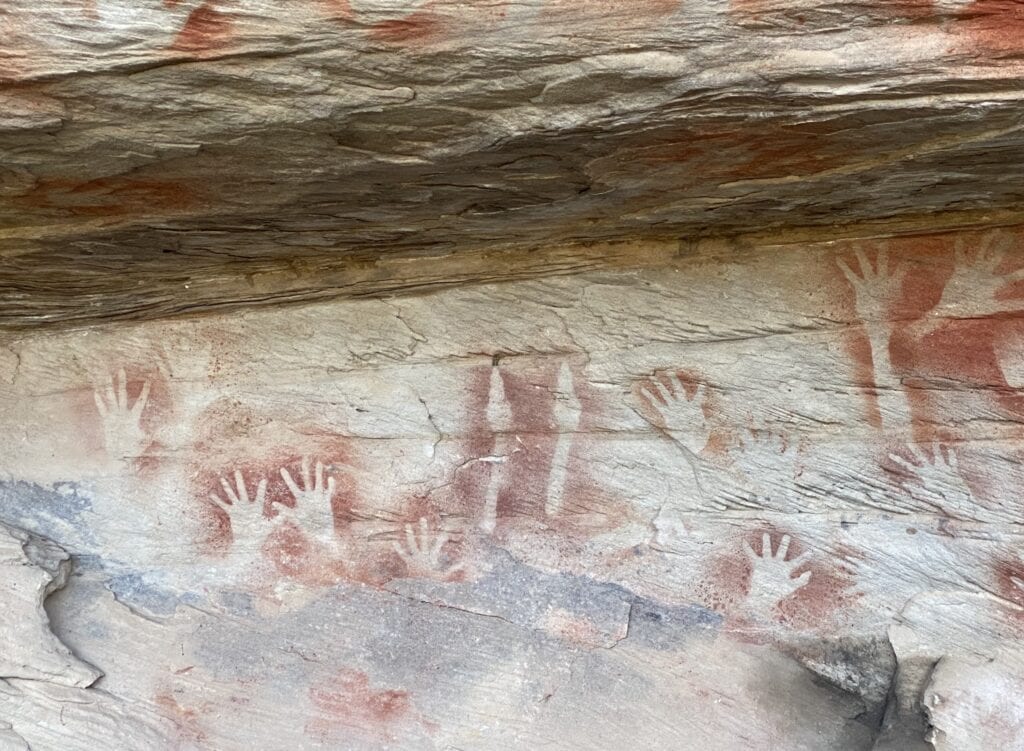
(163, 156)
(742, 500)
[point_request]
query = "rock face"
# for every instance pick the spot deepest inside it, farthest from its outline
(744, 500)
(163, 156)
(701, 433)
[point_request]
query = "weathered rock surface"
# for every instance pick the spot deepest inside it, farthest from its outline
(759, 500)
(720, 450)
(32, 569)
(163, 156)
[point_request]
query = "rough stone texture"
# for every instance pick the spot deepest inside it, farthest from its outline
(746, 500)
(162, 156)
(32, 570)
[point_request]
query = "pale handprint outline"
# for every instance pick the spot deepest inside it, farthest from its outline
(247, 515)
(876, 286)
(422, 552)
(313, 509)
(976, 277)
(123, 435)
(771, 577)
(681, 415)
(764, 454)
(250, 526)
(936, 480)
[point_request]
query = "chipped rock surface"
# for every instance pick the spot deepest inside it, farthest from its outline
(32, 569)
(765, 500)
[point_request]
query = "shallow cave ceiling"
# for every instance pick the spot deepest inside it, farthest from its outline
(167, 156)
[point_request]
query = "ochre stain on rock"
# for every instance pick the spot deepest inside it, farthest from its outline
(351, 703)
(206, 29)
(418, 28)
(110, 196)
(337, 9)
(995, 27)
(1009, 577)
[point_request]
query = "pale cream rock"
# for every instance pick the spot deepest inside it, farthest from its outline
(32, 569)
(975, 706)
